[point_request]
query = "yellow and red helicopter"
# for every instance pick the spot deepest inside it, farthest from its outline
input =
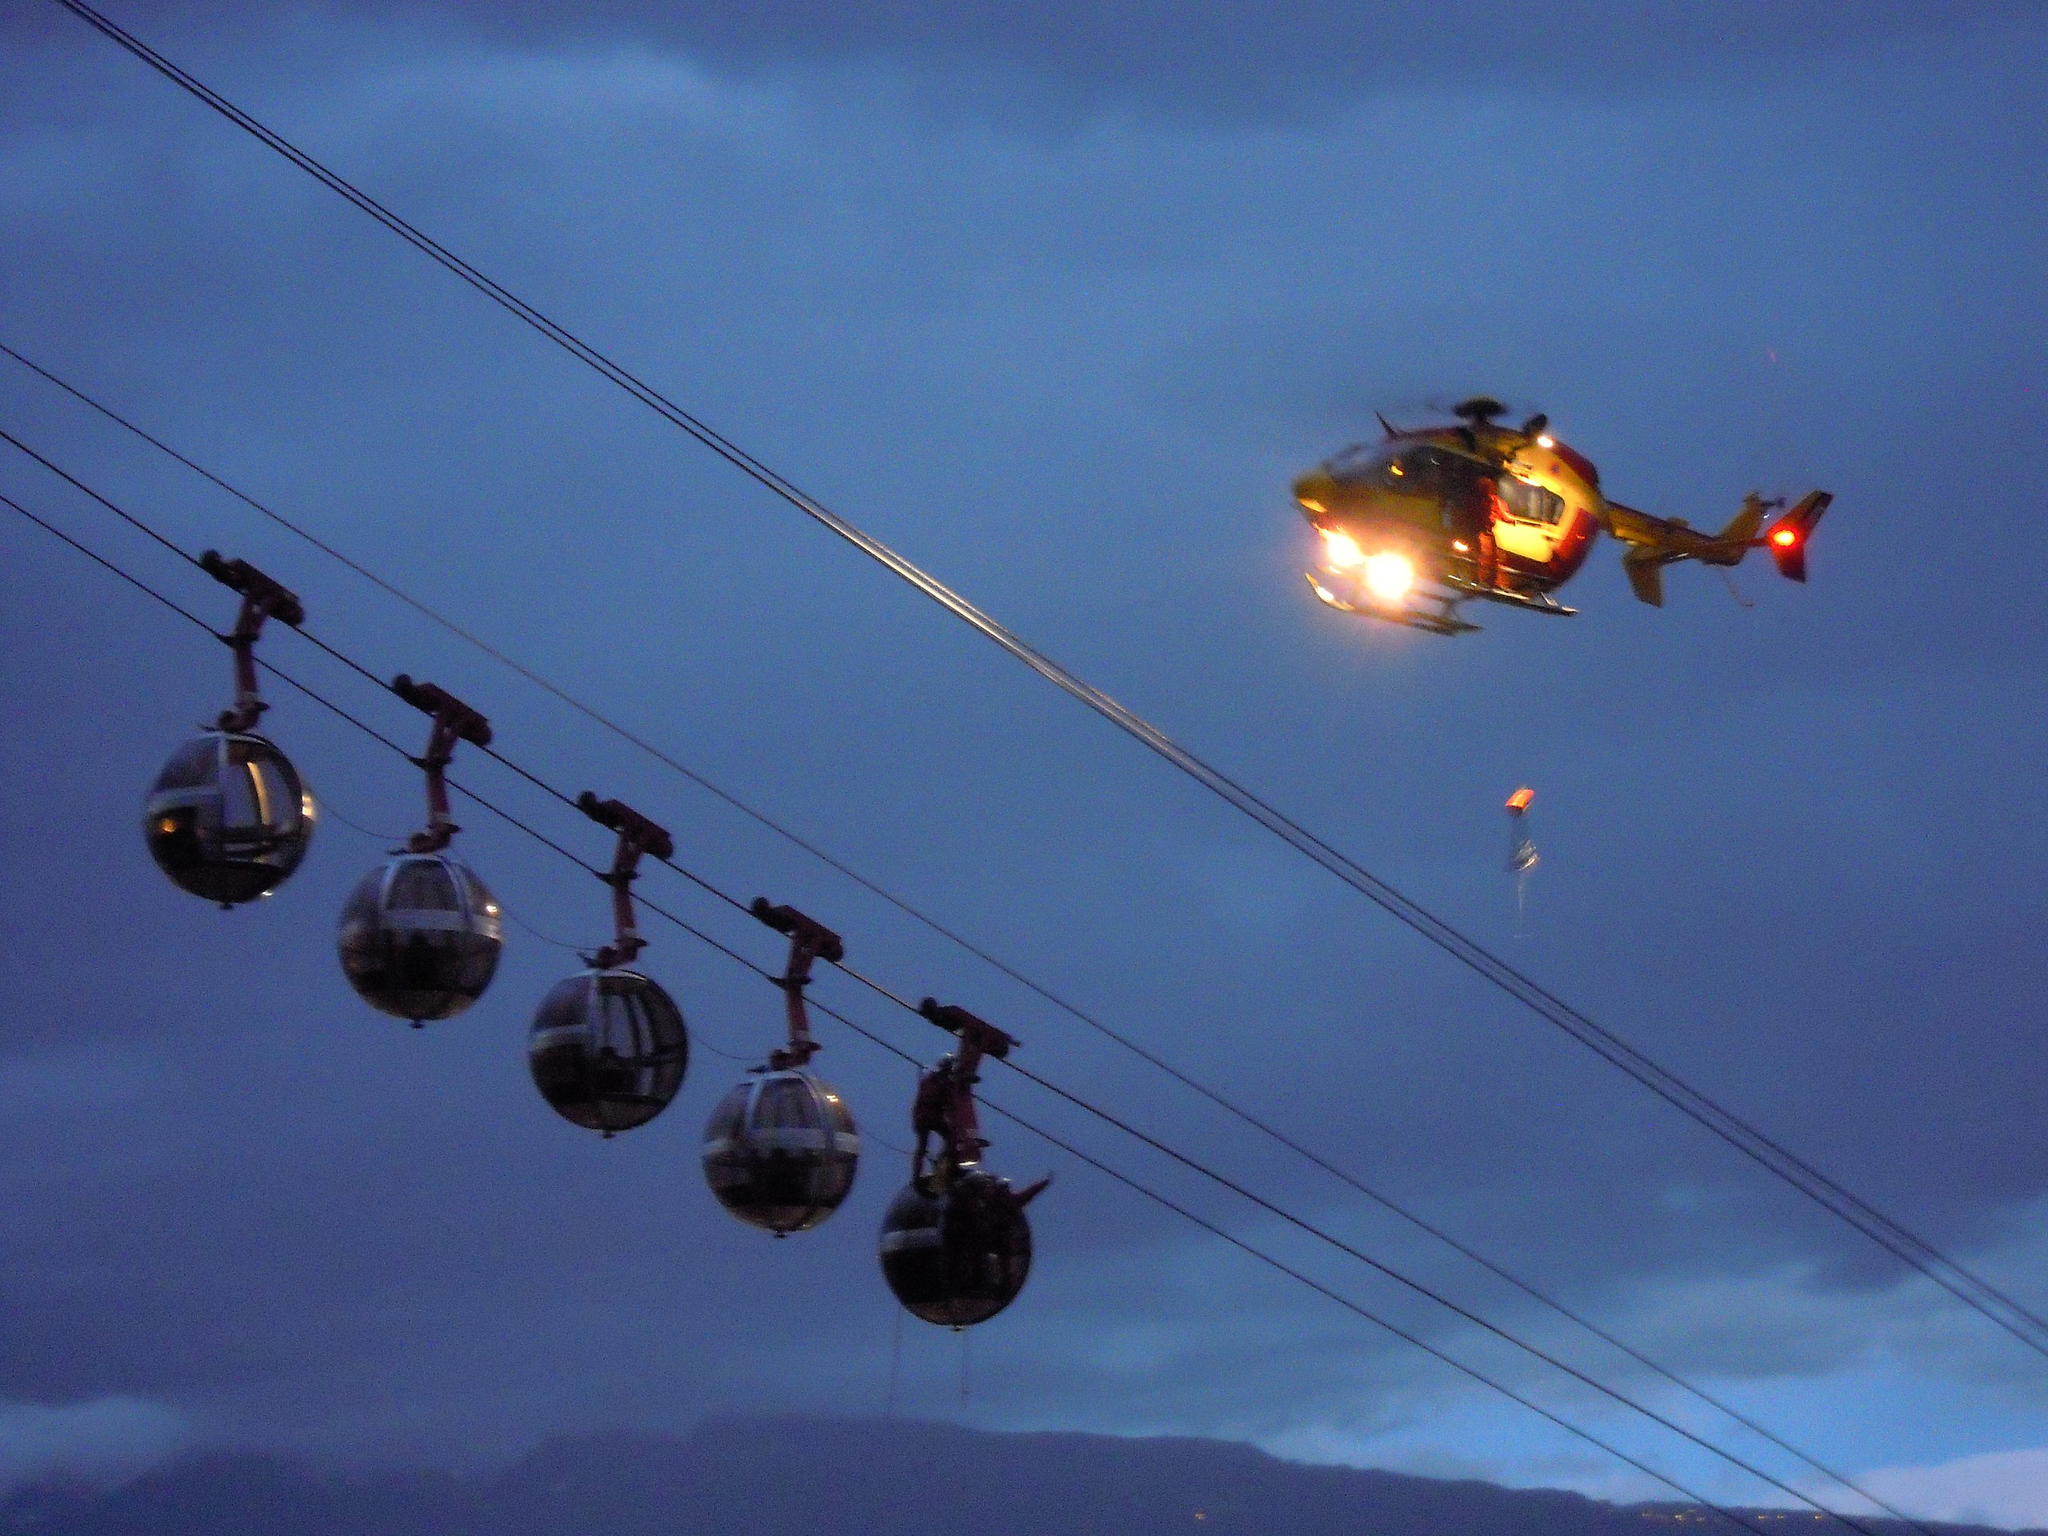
(1425, 520)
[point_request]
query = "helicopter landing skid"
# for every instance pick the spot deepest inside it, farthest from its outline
(1443, 620)
(1533, 602)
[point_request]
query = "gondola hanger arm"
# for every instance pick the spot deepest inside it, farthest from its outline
(453, 721)
(809, 942)
(637, 836)
(262, 598)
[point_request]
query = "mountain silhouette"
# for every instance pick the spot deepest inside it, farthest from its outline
(841, 1477)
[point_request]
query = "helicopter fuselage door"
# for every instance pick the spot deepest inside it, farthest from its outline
(1529, 521)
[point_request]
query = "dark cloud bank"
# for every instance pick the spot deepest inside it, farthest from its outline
(1221, 60)
(1794, 846)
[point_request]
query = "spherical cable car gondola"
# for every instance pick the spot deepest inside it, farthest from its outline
(228, 818)
(781, 1150)
(420, 935)
(956, 1256)
(609, 1049)
(955, 1242)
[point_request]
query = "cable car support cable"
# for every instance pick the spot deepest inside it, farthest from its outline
(1126, 1042)
(884, 1044)
(1902, 1243)
(1079, 1102)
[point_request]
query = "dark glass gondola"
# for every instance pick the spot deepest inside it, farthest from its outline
(608, 1050)
(959, 1255)
(781, 1150)
(956, 1245)
(420, 937)
(228, 818)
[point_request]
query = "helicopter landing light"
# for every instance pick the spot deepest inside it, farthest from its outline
(1545, 440)
(1461, 546)
(1343, 549)
(1389, 576)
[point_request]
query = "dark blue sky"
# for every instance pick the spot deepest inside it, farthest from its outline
(1057, 306)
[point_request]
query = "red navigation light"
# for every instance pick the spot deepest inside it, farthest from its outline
(1784, 538)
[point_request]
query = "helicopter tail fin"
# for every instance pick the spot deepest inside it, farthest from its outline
(1645, 577)
(1787, 539)
(1746, 522)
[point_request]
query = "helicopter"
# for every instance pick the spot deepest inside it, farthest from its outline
(1428, 519)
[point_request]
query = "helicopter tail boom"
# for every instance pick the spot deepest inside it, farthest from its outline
(1656, 542)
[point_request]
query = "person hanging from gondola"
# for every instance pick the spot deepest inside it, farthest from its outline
(930, 1114)
(1522, 858)
(956, 1245)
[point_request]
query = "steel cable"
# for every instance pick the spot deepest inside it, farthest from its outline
(1076, 1100)
(1245, 1116)
(1966, 1285)
(870, 1036)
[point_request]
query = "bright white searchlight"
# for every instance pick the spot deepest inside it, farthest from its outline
(1389, 576)
(1343, 549)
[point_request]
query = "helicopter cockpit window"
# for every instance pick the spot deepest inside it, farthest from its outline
(1421, 472)
(1409, 472)
(1357, 461)
(1529, 503)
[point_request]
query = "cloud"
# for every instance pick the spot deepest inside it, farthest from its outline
(1211, 59)
(101, 1439)
(2008, 1488)
(1072, 372)
(1060, 62)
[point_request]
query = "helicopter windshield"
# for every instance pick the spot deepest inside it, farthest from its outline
(1420, 471)
(1359, 462)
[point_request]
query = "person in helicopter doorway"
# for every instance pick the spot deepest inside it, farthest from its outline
(1471, 505)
